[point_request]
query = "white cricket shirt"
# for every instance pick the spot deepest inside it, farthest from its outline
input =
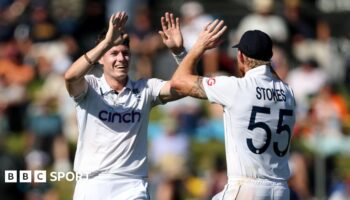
(259, 116)
(113, 127)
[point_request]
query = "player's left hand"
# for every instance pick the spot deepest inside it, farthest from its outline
(171, 33)
(210, 35)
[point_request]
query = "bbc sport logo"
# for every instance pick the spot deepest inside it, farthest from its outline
(41, 176)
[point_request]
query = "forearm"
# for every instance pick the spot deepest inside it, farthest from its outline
(186, 67)
(184, 80)
(84, 64)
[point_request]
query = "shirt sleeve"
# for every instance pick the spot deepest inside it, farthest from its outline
(220, 89)
(90, 81)
(154, 86)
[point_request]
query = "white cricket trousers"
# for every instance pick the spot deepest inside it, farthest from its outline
(110, 187)
(253, 189)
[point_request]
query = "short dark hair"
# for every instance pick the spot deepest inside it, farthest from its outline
(102, 35)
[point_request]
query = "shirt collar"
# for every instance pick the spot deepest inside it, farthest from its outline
(262, 69)
(105, 88)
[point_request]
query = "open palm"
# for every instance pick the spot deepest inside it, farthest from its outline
(115, 34)
(171, 33)
(210, 35)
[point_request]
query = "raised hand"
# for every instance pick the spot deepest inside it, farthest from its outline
(171, 33)
(210, 36)
(115, 34)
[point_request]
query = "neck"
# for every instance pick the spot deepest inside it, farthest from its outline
(116, 84)
(249, 67)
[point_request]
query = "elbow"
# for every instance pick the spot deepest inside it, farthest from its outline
(177, 85)
(69, 76)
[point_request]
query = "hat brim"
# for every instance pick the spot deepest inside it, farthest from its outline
(235, 46)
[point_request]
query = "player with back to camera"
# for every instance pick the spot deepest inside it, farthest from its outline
(259, 114)
(113, 114)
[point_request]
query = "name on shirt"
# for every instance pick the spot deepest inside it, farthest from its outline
(270, 94)
(128, 117)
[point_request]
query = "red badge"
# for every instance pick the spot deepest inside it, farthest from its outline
(211, 81)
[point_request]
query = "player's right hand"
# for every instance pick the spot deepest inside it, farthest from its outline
(115, 34)
(171, 33)
(210, 35)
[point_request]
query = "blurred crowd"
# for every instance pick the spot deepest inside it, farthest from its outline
(39, 39)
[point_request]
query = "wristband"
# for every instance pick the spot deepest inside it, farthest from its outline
(179, 57)
(88, 59)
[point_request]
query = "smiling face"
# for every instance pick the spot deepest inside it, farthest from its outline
(116, 62)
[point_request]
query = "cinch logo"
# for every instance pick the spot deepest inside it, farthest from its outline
(119, 117)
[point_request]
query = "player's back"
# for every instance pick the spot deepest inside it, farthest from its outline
(262, 121)
(258, 119)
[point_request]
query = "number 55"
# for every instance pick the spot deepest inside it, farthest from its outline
(280, 127)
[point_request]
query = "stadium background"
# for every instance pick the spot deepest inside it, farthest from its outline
(40, 38)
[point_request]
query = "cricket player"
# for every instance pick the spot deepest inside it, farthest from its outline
(259, 114)
(113, 114)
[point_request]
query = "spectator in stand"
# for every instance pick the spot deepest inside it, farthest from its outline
(169, 155)
(193, 21)
(263, 19)
(144, 43)
(15, 77)
(299, 180)
(330, 111)
(303, 90)
(211, 128)
(66, 14)
(299, 26)
(325, 49)
(42, 26)
(280, 62)
(169, 150)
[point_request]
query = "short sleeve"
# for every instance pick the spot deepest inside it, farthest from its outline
(154, 86)
(90, 82)
(220, 89)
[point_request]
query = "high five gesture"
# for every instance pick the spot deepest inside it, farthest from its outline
(184, 81)
(171, 33)
(210, 36)
(115, 34)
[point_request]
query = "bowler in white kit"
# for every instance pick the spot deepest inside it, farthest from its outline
(113, 114)
(259, 114)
